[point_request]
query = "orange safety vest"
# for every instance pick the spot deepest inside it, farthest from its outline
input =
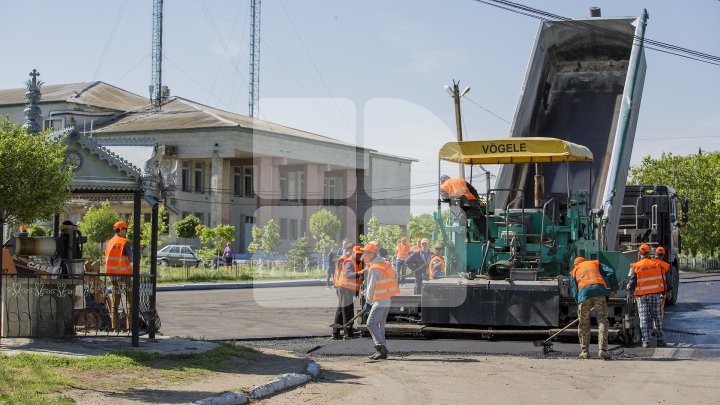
(649, 277)
(588, 273)
(350, 284)
(665, 266)
(115, 262)
(338, 267)
(457, 187)
(387, 285)
(430, 266)
(403, 251)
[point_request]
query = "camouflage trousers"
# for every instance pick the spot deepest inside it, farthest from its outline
(601, 313)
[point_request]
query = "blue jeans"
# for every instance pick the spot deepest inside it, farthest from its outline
(400, 267)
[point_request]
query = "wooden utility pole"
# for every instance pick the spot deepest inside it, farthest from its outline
(458, 119)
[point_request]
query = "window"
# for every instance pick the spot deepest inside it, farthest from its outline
(186, 214)
(200, 216)
(248, 177)
(291, 185)
(283, 228)
(54, 124)
(332, 194)
(185, 175)
(293, 231)
(198, 177)
(249, 220)
(243, 181)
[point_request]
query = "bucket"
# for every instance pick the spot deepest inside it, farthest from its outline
(75, 267)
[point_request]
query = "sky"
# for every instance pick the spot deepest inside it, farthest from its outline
(369, 72)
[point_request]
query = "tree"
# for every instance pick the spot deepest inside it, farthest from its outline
(386, 235)
(421, 226)
(694, 177)
(324, 227)
(35, 178)
(36, 230)
(300, 257)
(185, 228)
(213, 239)
(266, 240)
(97, 226)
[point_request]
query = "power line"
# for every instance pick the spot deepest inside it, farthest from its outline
(488, 111)
(110, 38)
(647, 42)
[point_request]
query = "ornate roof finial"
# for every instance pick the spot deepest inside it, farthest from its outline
(32, 96)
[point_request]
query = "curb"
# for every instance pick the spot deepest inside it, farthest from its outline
(235, 286)
(282, 382)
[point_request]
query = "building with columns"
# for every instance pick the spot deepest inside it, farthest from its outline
(232, 169)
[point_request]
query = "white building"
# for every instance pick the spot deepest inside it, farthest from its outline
(232, 169)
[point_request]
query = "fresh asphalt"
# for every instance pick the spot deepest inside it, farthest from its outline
(298, 313)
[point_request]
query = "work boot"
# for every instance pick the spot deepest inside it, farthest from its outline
(645, 345)
(377, 353)
(584, 354)
(661, 343)
(384, 351)
(603, 354)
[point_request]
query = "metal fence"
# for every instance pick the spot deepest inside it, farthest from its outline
(60, 306)
(699, 263)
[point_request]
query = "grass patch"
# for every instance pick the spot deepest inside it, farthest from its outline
(38, 379)
(243, 273)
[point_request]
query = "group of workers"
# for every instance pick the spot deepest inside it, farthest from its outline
(367, 272)
(648, 282)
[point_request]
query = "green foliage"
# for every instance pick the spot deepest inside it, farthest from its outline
(213, 239)
(185, 228)
(420, 226)
(386, 235)
(324, 228)
(35, 179)
(300, 256)
(36, 230)
(696, 178)
(97, 224)
(266, 239)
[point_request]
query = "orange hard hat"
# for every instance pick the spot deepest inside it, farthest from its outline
(371, 247)
(357, 249)
(23, 228)
(404, 239)
(660, 250)
(644, 248)
(120, 225)
(578, 260)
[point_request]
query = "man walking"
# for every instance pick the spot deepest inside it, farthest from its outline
(382, 285)
(647, 281)
(403, 251)
(348, 286)
(118, 262)
(589, 289)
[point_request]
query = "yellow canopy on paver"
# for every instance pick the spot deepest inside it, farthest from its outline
(514, 150)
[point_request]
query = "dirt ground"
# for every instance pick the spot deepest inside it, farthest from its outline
(143, 386)
(447, 379)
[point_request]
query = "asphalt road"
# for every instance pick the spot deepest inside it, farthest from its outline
(302, 312)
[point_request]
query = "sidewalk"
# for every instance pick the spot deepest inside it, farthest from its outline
(255, 373)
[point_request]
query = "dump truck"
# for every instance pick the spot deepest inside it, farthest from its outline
(558, 195)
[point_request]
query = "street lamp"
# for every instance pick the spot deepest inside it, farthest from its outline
(455, 93)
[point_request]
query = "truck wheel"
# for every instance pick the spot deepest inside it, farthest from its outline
(163, 263)
(675, 274)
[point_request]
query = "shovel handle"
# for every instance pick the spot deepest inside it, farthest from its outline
(562, 330)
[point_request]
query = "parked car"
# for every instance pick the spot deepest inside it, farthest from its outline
(177, 255)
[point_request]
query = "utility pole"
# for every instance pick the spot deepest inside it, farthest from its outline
(456, 94)
(254, 86)
(156, 80)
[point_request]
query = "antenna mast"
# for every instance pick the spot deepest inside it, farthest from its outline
(156, 83)
(254, 87)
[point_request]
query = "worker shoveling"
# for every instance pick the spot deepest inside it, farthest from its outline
(547, 344)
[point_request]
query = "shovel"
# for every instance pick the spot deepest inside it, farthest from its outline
(546, 344)
(347, 325)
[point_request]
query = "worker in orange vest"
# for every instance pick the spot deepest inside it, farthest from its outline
(436, 267)
(118, 263)
(660, 258)
(403, 251)
(457, 188)
(590, 291)
(382, 285)
(348, 285)
(648, 284)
